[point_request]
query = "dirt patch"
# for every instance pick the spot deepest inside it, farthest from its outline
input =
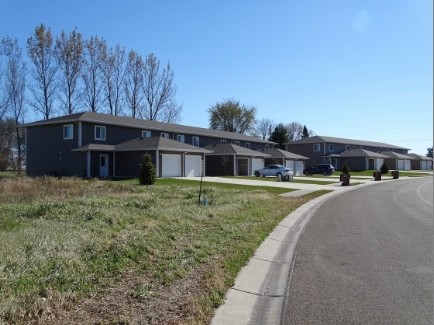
(133, 300)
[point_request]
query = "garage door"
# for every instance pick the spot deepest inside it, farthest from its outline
(401, 164)
(171, 165)
(256, 164)
(299, 166)
(192, 165)
(407, 164)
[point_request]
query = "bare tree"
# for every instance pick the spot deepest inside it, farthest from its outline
(113, 71)
(41, 53)
(133, 83)
(159, 92)
(69, 54)
(265, 127)
(15, 88)
(92, 72)
(2, 93)
(295, 131)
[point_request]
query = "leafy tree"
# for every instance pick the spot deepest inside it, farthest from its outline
(15, 89)
(69, 54)
(40, 50)
(159, 92)
(345, 168)
(92, 72)
(280, 136)
(429, 153)
(113, 70)
(231, 116)
(264, 128)
(133, 83)
(147, 174)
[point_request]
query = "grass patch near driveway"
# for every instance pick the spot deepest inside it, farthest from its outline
(297, 179)
(103, 252)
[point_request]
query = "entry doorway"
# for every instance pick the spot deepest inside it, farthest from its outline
(103, 165)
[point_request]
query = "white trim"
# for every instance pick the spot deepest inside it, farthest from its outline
(146, 134)
(101, 127)
(193, 138)
(72, 131)
(114, 164)
(157, 162)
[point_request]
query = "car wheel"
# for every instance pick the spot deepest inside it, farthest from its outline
(325, 174)
(279, 176)
(257, 174)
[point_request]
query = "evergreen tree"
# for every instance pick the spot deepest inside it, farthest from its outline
(147, 174)
(429, 152)
(305, 133)
(384, 168)
(280, 136)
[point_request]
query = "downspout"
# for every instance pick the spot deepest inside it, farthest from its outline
(235, 165)
(79, 135)
(114, 164)
(157, 163)
(88, 165)
(183, 164)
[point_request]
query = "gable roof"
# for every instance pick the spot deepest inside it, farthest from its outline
(361, 153)
(279, 153)
(318, 138)
(158, 143)
(108, 119)
(420, 157)
(233, 149)
(396, 155)
(143, 144)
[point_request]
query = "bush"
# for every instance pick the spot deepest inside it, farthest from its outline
(147, 173)
(384, 169)
(345, 168)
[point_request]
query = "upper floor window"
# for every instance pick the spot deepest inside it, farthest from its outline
(223, 141)
(237, 143)
(354, 147)
(331, 147)
(195, 141)
(68, 132)
(100, 132)
(348, 147)
(180, 138)
(267, 146)
(165, 135)
(248, 145)
(316, 147)
(146, 134)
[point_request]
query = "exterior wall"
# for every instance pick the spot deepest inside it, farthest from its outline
(48, 154)
(219, 165)
(128, 162)
(315, 157)
(355, 163)
(390, 163)
(274, 161)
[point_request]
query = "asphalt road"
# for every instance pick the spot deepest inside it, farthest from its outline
(366, 257)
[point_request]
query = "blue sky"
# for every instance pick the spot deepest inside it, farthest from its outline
(360, 69)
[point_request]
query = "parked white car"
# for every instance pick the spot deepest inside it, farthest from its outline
(274, 170)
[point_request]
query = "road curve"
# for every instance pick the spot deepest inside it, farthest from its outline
(366, 257)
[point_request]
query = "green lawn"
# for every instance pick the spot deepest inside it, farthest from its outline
(72, 248)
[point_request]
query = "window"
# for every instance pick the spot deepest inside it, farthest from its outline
(180, 138)
(316, 147)
(237, 143)
(146, 134)
(165, 135)
(348, 147)
(354, 147)
(222, 141)
(331, 147)
(68, 132)
(267, 146)
(99, 132)
(248, 145)
(195, 141)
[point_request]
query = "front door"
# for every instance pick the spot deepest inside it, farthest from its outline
(103, 166)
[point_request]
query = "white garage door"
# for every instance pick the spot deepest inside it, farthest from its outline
(290, 164)
(424, 165)
(401, 164)
(256, 164)
(299, 166)
(192, 166)
(171, 165)
(407, 165)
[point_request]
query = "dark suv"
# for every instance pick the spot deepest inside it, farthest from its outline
(324, 169)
